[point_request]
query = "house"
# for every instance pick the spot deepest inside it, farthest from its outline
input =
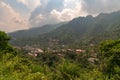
(39, 50)
(35, 52)
(79, 51)
(92, 60)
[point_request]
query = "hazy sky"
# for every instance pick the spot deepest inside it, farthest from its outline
(24, 14)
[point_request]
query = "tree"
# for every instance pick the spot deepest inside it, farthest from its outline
(110, 57)
(3, 40)
(4, 44)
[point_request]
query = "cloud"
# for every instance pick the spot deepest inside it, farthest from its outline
(42, 19)
(76, 8)
(40, 12)
(46, 7)
(31, 4)
(95, 7)
(36, 20)
(71, 10)
(11, 20)
(45, 10)
(57, 11)
(70, 3)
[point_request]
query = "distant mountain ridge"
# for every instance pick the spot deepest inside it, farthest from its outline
(36, 31)
(81, 30)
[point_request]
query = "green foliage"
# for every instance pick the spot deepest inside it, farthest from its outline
(17, 68)
(110, 57)
(94, 74)
(22, 68)
(69, 70)
(3, 40)
(65, 66)
(4, 44)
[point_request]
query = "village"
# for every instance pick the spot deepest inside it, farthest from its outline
(35, 52)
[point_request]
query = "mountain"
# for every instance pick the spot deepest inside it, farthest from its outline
(77, 32)
(36, 31)
(88, 30)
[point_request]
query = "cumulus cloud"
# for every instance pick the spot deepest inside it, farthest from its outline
(71, 10)
(68, 9)
(11, 20)
(46, 7)
(31, 4)
(42, 19)
(36, 20)
(95, 7)
(42, 12)
(45, 10)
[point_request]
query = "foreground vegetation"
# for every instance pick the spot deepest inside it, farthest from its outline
(15, 65)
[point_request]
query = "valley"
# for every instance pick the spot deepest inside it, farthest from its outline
(84, 48)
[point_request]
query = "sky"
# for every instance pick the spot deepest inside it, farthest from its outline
(25, 14)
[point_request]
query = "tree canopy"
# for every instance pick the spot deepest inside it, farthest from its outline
(110, 57)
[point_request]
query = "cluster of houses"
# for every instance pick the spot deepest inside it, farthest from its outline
(30, 50)
(36, 51)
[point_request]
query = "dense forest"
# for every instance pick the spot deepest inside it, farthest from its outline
(18, 65)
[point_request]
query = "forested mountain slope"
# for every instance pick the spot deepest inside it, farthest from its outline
(81, 30)
(36, 31)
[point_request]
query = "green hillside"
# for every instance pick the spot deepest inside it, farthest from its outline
(36, 31)
(77, 32)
